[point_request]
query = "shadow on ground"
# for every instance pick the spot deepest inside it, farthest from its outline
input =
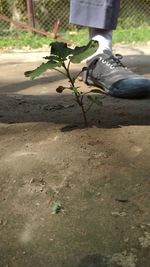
(99, 174)
(22, 100)
(94, 261)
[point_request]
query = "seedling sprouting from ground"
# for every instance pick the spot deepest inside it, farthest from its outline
(60, 58)
(56, 207)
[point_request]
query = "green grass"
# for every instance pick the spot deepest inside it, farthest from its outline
(80, 37)
(132, 35)
(24, 40)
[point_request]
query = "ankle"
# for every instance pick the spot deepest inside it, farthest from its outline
(104, 39)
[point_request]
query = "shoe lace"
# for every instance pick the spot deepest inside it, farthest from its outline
(115, 61)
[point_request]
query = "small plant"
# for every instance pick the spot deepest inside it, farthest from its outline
(60, 58)
(56, 207)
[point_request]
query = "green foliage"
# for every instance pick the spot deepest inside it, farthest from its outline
(60, 50)
(56, 207)
(28, 40)
(83, 52)
(75, 55)
(59, 54)
(51, 64)
(22, 40)
(59, 59)
(132, 35)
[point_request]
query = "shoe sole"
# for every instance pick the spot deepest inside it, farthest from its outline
(129, 93)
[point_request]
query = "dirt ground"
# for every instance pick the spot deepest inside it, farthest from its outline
(100, 174)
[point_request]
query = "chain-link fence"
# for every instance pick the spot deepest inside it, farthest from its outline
(43, 15)
(134, 13)
(46, 15)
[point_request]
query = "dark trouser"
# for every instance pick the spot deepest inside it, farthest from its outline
(102, 14)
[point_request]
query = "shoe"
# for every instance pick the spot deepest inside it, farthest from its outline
(107, 72)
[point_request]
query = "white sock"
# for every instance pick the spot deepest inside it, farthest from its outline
(103, 37)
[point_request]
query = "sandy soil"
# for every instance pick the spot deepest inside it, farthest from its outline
(100, 174)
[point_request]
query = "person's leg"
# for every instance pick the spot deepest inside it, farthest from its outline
(104, 39)
(100, 14)
(103, 68)
(101, 18)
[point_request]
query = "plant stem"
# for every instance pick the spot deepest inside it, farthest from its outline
(78, 75)
(79, 97)
(68, 73)
(61, 72)
(84, 115)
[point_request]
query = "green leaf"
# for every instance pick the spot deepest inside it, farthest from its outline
(56, 207)
(95, 99)
(80, 53)
(61, 50)
(41, 69)
(52, 57)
